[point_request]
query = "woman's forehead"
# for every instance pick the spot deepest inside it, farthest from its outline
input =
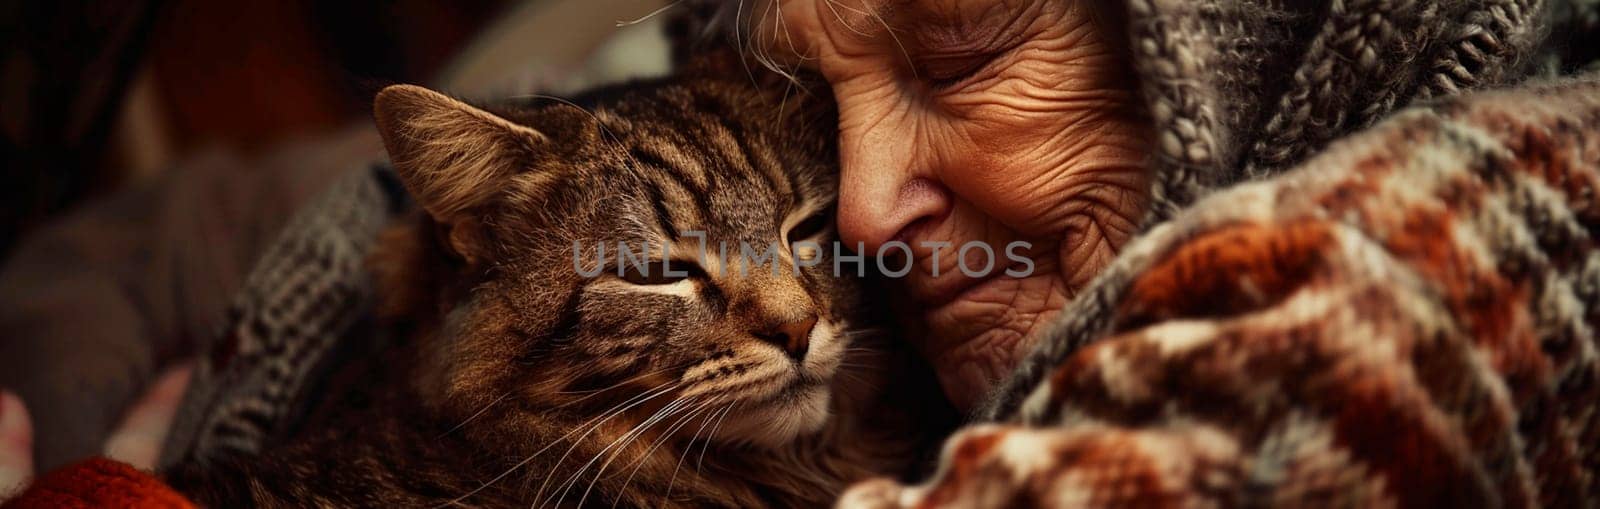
(929, 25)
(922, 10)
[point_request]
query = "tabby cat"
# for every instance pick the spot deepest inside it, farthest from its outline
(538, 368)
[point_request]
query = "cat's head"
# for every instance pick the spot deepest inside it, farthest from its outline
(530, 319)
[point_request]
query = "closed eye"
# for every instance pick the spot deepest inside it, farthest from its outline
(810, 226)
(660, 272)
(946, 72)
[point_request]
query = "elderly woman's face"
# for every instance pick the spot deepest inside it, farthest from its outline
(977, 120)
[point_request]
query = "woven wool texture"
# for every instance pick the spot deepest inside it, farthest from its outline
(1243, 89)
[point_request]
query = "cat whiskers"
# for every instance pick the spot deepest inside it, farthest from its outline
(662, 440)
(619, 445)
(654, 13)
(707, 446)
(596, 422)
(856, 333)
(689, 446)
(852, 366)
(855, 378)
(595, 392)
(474, 415)
(622, 441)
(661, 389)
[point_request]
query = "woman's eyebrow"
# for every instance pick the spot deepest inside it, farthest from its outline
(981, 30)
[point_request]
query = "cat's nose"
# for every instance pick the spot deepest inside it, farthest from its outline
(793, 337)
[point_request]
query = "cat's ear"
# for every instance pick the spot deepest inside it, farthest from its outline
(450, 155)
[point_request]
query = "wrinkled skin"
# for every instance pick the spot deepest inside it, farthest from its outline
(976, 120)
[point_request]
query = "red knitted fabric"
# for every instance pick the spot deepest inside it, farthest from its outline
(96, 483)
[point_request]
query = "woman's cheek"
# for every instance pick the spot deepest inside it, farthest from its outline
(1015, 177)
(1082, 184)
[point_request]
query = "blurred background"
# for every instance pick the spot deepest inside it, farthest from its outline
(98, 95)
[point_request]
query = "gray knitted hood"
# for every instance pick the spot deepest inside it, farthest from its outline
(1238, 90)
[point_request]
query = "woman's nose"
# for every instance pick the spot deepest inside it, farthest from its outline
(884, 187)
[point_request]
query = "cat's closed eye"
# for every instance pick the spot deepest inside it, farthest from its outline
(810, 226)
(660, 272)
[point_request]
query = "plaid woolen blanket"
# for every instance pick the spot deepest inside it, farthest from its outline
(1405, 319)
